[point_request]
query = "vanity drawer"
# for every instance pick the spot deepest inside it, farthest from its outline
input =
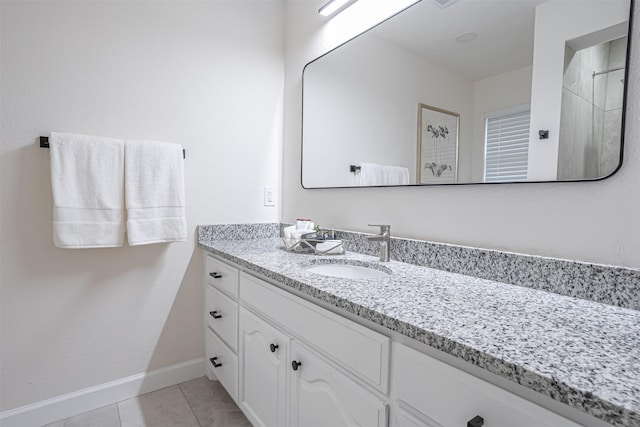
(222, 276)
(447, 396)
(359, 350)
(222, 316)
(226, 369)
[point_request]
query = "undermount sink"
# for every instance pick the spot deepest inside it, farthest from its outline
(348, 271)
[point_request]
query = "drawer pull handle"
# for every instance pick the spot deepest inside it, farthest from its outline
(476, 421)
(215, 275)
(273, 347)
(215, 314)
(295, 365)
(214, 363)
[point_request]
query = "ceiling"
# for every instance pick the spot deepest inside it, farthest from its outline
(504, 27)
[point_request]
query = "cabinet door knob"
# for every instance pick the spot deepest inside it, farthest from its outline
(215, 314)
(215, 275)
(214, 363)
(295, 365)
(476, 421)
(273, 347)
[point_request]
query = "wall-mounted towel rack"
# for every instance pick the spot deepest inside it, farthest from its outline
(44, 143)
(354, 168)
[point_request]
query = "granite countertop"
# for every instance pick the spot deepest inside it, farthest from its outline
(581, 353)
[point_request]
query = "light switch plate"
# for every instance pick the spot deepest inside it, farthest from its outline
(269, 196)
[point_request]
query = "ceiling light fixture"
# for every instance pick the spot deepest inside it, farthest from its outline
(333, 7)
(466, 37)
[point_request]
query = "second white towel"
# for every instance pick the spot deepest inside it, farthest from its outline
(154, 192)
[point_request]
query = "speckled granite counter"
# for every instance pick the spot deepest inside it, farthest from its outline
(578, 352)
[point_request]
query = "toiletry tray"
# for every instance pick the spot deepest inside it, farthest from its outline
(309, 246)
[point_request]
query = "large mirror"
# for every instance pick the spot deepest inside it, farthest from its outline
(471, 91)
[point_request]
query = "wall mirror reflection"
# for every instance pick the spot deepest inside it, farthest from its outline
(471, 91)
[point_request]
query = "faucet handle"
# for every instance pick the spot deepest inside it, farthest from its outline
(384, 228)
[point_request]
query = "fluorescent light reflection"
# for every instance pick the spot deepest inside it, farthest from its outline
(359, 17)
(334, 6)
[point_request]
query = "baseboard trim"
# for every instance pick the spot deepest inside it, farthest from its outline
(60, 407)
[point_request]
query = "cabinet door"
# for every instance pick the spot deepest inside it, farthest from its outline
(263, 362)
(321, 396)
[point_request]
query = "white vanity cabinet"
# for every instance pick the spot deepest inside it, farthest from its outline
(359, 350)
(273, 366)
(315, 349)
(289, 362)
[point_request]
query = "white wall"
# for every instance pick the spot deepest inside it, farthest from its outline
(381, 124)
(556, 23)
(595, 221)
(208, 75)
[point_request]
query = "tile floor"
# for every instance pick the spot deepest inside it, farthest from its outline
(195, 403)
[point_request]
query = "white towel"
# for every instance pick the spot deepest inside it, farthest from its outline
(87, 174)
(371, 174)
(397, 175)
(154, 192)
(374, 174)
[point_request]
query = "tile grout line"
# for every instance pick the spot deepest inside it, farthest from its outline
(118, 411)
(189, 404)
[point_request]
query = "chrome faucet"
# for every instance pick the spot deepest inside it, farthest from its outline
(384, 238)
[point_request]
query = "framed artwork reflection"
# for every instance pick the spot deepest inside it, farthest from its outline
(438, 131)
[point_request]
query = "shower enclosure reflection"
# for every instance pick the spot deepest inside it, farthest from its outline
(591, 120)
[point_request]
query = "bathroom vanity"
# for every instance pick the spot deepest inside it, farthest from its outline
(422, 347)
